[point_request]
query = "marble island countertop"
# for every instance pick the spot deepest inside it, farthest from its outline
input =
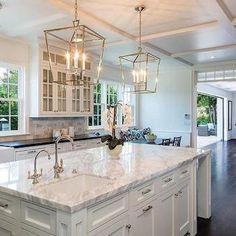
(119, 170)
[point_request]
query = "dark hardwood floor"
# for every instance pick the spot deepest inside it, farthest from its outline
(223, 220)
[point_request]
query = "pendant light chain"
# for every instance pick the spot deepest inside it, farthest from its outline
(76, 10)
(140, 29)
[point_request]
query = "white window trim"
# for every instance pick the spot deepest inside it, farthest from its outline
(22, 121)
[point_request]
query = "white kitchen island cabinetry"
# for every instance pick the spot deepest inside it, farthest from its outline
(160, 205)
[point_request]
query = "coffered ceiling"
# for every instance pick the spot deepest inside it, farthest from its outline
(191, 31)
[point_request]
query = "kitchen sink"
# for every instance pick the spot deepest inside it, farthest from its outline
(75, 185)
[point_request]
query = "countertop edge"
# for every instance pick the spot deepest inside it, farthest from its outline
(99, 198)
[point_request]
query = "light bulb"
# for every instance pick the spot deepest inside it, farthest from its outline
(83, 61)
(67, 60)
(76, 59)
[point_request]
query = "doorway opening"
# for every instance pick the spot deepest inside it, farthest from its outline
(210, 119)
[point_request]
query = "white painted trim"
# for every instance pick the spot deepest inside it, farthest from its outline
(192, 28)
(179, 54)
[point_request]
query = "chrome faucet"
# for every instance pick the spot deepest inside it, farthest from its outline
(58, 168)
(36, 175)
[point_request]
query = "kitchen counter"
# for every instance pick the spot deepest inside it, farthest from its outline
(45, 141)
(124, 168)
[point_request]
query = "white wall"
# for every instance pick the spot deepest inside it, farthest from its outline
(220, 120)
(164, 112)
(207, 89)
(234, 116)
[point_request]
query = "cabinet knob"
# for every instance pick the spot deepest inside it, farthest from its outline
(128, 226)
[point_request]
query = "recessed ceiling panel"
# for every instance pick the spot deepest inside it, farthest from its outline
(195, 40)
(208, 57)
(231, 5)
(160, 15)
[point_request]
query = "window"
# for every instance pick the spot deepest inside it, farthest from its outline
(10, 99)
(107, 93)
(96, 119)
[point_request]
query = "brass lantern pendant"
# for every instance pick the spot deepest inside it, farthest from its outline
(75, 42)
(141, 69)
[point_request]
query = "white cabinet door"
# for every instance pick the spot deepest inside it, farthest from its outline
(119, 228)
(182, 210)
(144, 220)
(165, 221)
(7, 229)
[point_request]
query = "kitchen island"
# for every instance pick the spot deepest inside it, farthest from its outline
(136, 190)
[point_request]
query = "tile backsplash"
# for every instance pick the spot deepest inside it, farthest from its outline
(43, 127)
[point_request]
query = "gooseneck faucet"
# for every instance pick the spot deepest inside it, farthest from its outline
(36, 175)
(58, 168)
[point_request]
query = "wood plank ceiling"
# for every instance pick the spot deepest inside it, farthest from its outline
(191, 31)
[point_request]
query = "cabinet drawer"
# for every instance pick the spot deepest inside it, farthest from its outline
(117, 226)
(166, 181)
(30, 231)
(106, 211)
(7, 229)
(9, 206)
(38, 217)
(142, 193)
(183, 173)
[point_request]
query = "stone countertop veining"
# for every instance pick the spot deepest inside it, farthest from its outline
(125, 167)
(45, 141)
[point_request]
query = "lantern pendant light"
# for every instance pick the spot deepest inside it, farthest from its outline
(141, 69)
(75, 43)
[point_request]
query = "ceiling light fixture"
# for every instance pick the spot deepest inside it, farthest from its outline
(74, 42)
(140, 68)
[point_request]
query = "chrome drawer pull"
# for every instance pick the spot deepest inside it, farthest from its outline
(3, 205)
(184, 172)
(146, 191)
(147, 208)
(168, 180)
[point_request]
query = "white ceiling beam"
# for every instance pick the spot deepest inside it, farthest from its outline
(192, 28)
(221, 13)
(190, 52)
(225, 9)
(108, 26)
(234, 21)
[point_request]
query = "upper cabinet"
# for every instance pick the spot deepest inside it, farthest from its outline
(52, 98)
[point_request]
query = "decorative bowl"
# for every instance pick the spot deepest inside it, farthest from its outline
(150, 138)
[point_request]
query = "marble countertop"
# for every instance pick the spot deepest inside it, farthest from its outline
(125, 167)
(45, 141)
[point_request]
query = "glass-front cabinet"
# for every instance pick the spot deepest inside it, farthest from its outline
(47, 91)
(60, 99)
